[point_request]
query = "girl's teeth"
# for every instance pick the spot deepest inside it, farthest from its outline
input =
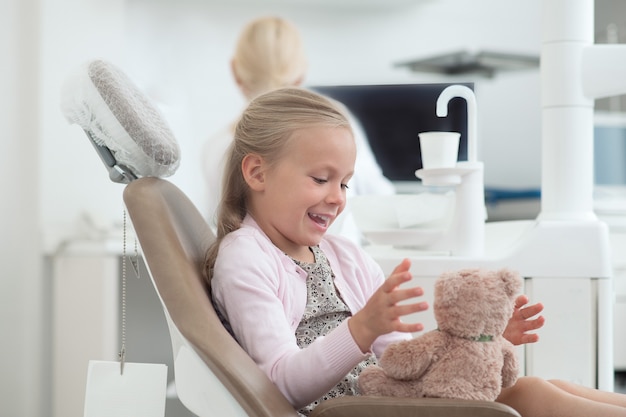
(320, 219)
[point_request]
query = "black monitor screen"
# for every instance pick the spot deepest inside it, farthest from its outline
(393, 115)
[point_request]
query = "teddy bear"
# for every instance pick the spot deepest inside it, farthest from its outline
(466, 357)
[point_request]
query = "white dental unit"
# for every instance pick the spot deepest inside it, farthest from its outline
(564, 254)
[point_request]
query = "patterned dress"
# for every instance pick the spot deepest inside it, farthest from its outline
(324, 311)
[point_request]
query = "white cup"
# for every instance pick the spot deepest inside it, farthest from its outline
(439, 149)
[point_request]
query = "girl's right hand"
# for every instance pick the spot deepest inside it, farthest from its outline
(382, 313)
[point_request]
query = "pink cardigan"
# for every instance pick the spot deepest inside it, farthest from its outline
(262, 293)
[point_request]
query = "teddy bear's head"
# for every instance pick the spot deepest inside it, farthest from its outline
(475, 303)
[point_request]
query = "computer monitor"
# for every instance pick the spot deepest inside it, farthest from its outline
(393, 115)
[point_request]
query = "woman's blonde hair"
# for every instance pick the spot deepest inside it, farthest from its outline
(269, 55)
(265, 129)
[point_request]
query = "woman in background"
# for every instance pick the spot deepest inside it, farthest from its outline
(269, 54)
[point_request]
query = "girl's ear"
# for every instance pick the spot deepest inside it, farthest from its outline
(253, 170)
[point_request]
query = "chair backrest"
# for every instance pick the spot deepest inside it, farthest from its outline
(214, 375)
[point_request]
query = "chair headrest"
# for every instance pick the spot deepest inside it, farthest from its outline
(130, 134)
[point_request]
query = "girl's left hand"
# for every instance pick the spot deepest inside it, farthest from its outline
(523, 321)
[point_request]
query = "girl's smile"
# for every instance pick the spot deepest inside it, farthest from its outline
(298, 198)
(322, 220)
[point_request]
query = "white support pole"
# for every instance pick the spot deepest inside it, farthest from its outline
(567, 147)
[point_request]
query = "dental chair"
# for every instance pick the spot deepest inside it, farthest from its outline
(214, 376)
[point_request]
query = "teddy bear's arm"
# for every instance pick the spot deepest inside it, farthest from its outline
(510, 369)
(410, 358)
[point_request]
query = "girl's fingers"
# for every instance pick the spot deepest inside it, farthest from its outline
(399, 275)
(530, 311)
(404, 265)
(405, 309)
(390, 298)
(396, 280)
(405, 294)
(409, 327)
(521, 301)
(535, 324)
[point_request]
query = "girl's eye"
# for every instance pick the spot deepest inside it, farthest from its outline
(324, 181)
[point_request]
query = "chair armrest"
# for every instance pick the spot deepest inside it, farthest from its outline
(370, 406)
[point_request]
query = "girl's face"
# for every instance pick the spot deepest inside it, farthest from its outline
(305, 190)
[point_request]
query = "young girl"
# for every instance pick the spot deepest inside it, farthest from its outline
(311, 309)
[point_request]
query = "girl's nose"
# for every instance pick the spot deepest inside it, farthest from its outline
(336, 195)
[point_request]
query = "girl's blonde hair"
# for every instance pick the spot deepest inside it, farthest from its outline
(269, 55)
(265, 129)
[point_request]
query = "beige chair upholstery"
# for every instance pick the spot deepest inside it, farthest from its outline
(214, 376)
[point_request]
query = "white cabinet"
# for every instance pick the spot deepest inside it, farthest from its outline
(610, 206)
(618, 244)
(85, 323)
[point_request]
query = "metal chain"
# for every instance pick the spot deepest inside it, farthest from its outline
(122, 354)
(134, 260)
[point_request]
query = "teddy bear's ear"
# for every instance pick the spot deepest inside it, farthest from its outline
(512, 281)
